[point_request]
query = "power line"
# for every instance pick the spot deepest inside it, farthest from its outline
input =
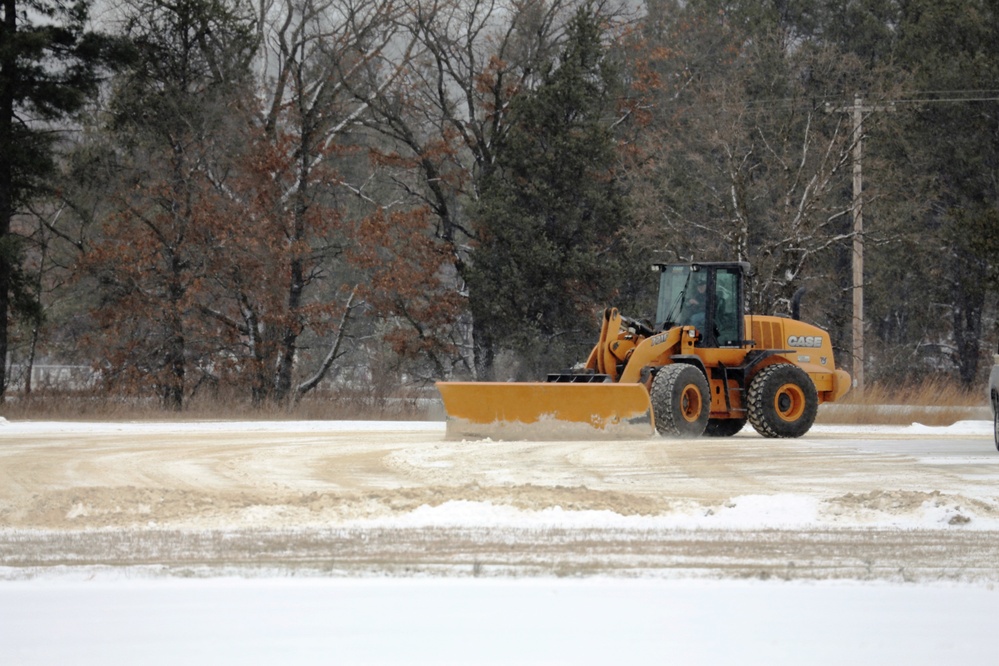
(964, 91)
(909, 98)
(945, 100)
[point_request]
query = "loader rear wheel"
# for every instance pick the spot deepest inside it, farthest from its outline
(782, 401)
(680, 401)
(724, 427)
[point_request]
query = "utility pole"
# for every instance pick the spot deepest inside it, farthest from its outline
(857, 111)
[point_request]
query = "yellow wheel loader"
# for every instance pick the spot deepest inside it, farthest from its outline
(704, 368)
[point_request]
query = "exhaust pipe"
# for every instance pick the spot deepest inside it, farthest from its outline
(796, 303)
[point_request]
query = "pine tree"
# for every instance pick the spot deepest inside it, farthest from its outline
(953, 46)
(49, 66)
(550, 212)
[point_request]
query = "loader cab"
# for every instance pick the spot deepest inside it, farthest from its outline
(708, 296)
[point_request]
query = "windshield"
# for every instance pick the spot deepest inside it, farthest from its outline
(707, 297)
(673, 284)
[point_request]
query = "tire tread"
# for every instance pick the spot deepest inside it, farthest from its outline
(760, 396)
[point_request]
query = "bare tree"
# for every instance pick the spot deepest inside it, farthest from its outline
(737, 158)
(443, 116)
(292, 180)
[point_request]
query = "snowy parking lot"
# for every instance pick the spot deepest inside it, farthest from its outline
(363, 542)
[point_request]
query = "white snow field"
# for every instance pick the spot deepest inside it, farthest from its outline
(384, 543)
(473, 621)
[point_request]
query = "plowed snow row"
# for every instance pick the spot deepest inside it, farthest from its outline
(343, 499)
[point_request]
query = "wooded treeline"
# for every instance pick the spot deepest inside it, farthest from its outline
(266, 197)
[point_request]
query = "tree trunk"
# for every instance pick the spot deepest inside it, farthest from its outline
(969, 299)
(484, 352)
(334, 352)
(289, 337)
(8, 64)
(296, 282)
(173, 388)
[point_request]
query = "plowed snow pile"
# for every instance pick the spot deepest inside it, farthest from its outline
(349, 498)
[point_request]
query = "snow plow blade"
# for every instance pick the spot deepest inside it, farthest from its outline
(546, 410)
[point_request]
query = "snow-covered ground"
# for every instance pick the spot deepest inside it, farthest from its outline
(470, 621)
(933, 488)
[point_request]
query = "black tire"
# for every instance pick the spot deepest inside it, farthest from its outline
(782, 401)
(681, 401)
(724, 427)
(995, 420)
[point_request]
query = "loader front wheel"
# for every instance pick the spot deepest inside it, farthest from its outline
(680, 401)
(782, 401)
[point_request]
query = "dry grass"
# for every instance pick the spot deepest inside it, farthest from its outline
(932, 392)
(931, 402)
(339, 406)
